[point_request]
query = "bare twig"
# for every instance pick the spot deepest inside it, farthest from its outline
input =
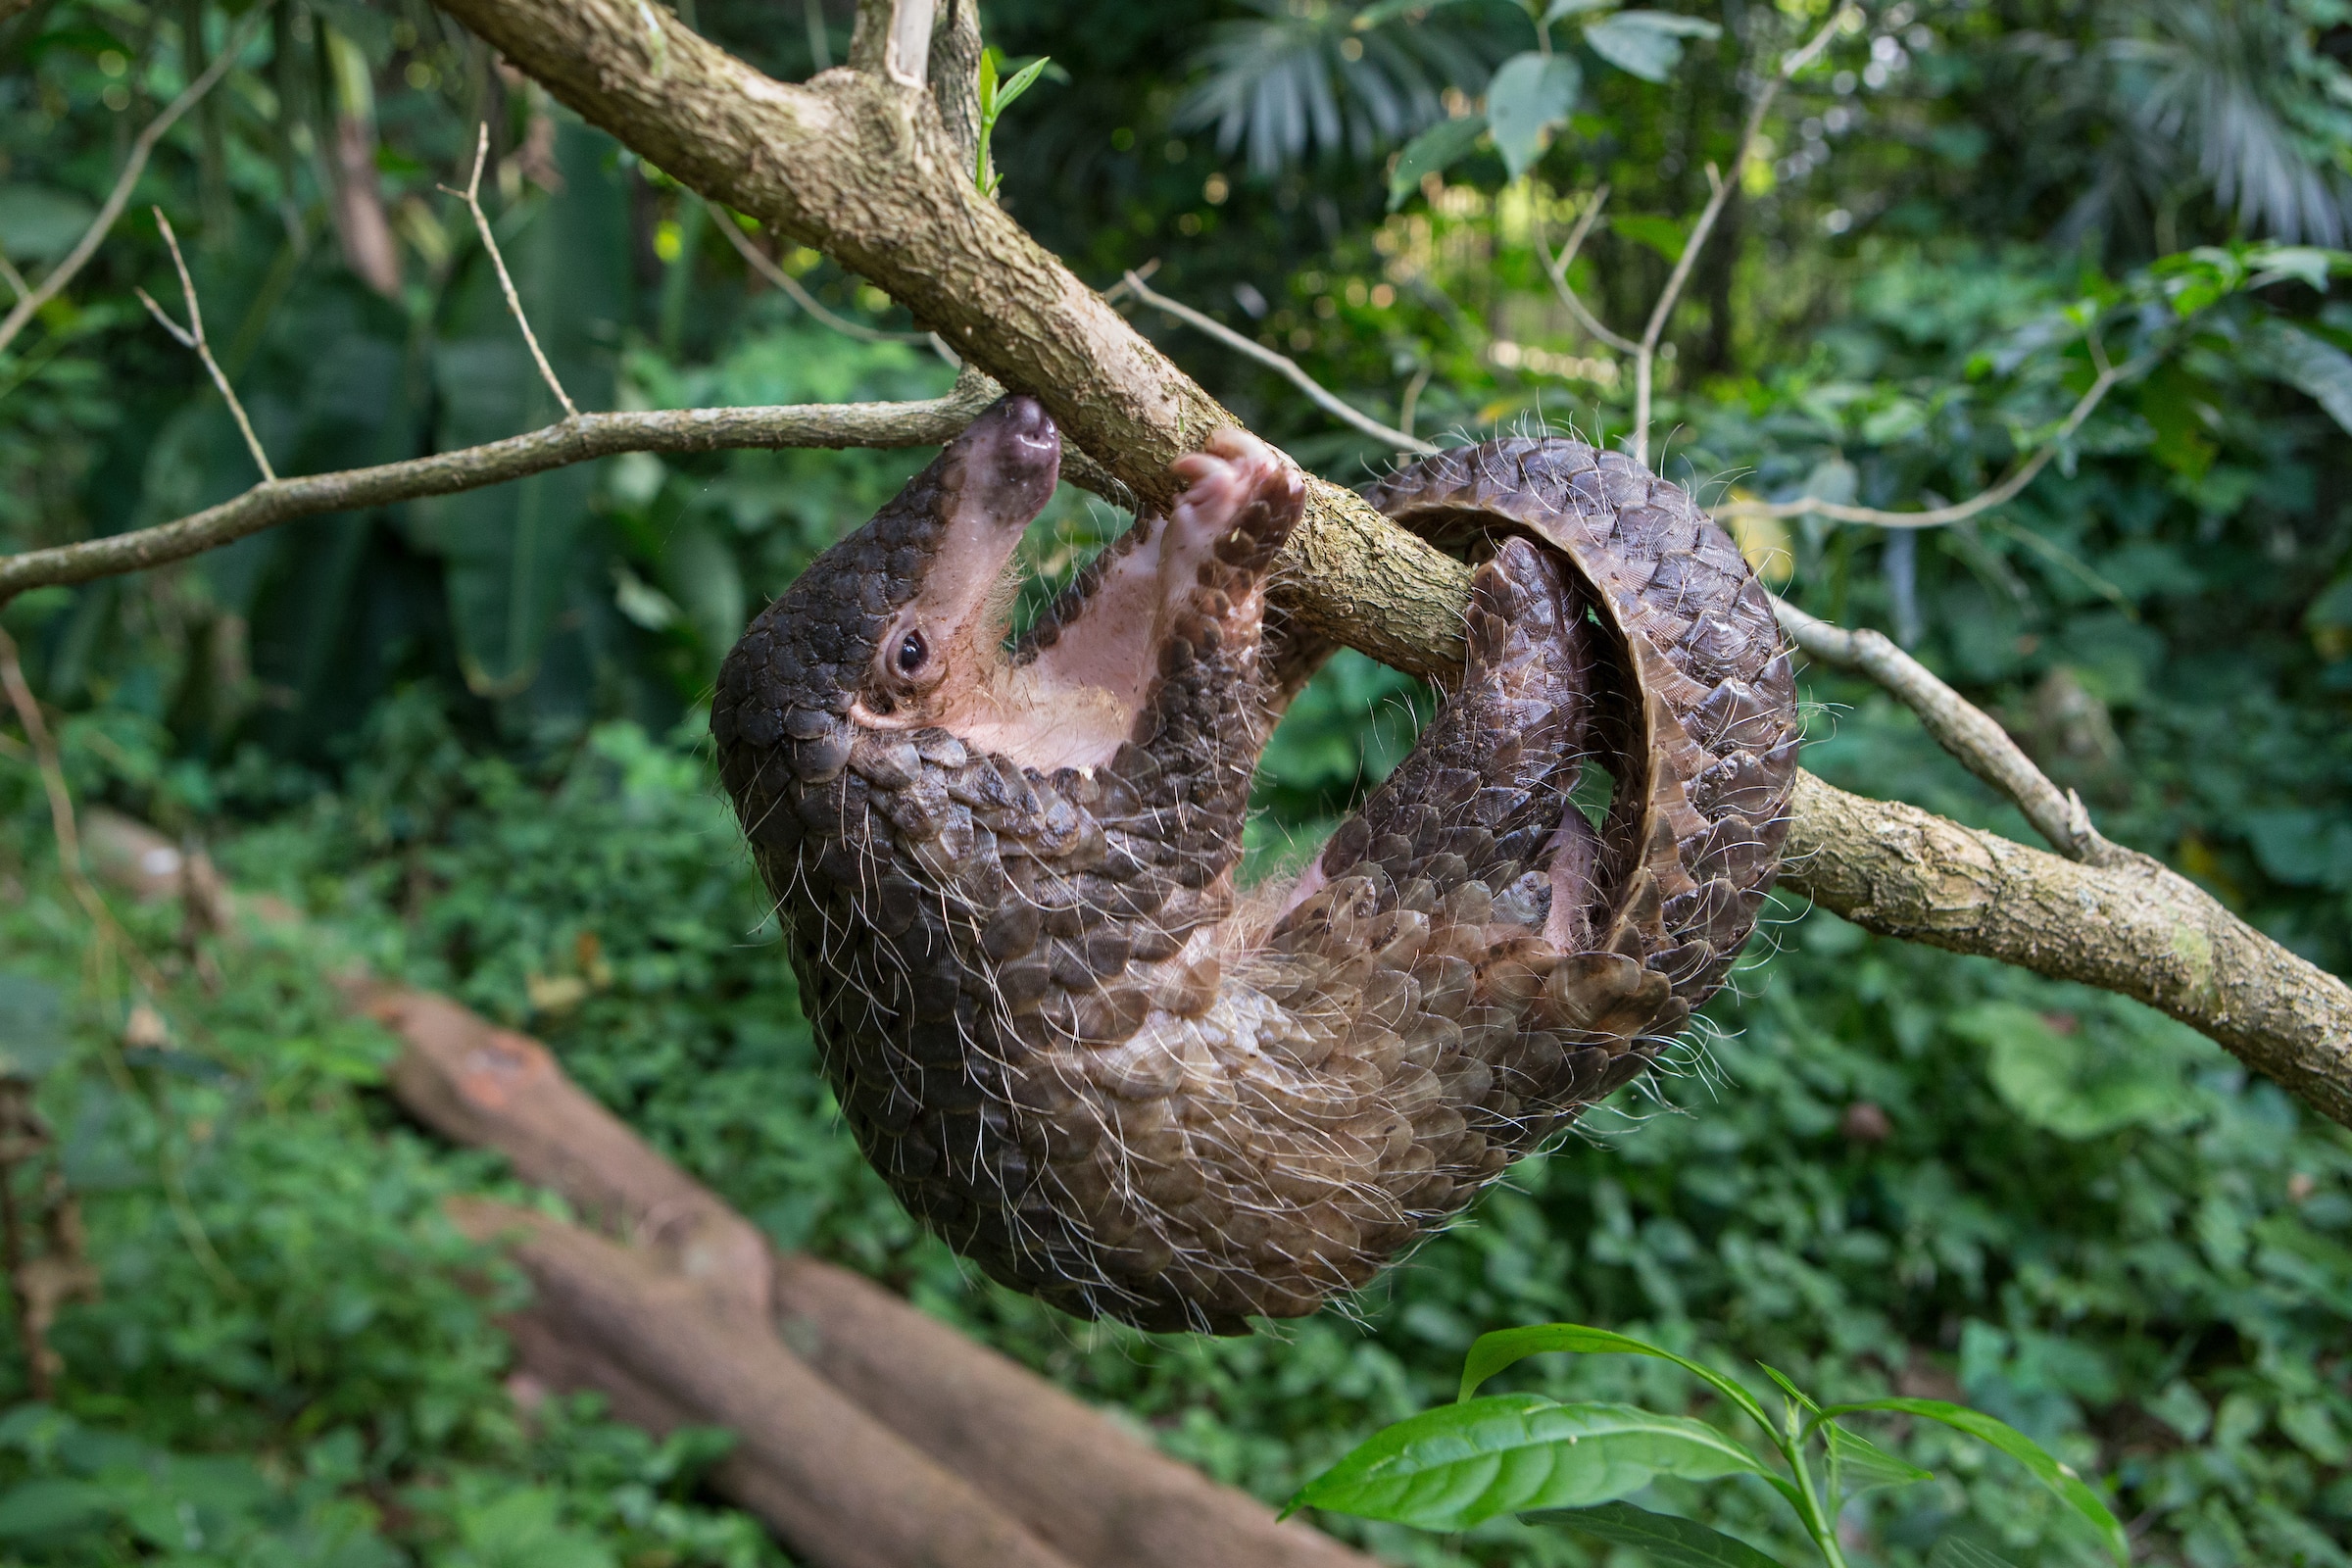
(192, 337)
(1647, 351)
(13, 278)
(1960, 511)
(473, 197)
(1556, 268)
(1289, 368)
(577, 439)
(61, 824)
(134, 166)
(759, 262)
(1961, 728)
(1411, 402)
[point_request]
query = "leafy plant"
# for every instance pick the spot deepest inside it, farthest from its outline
(1575, 1464)
(994, 98)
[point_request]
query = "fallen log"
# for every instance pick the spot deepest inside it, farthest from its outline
(1087, 1487)
(838, 1487)
(1083, 1484)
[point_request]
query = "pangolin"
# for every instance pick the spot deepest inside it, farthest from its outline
(1005, 868)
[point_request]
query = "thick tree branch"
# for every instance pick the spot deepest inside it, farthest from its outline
(2138, 928)
(861, 166)
(863, 170)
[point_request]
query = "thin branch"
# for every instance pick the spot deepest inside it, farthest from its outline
(472, 196)
(1961, 728)
(61, 824)
(1411, 402)
(1557, 270)
(1333, 405)
(133, 167)
(192, 337)
(1960, 511)
(762, 263)
(13, 278)
(577, 439)
(1645, 354)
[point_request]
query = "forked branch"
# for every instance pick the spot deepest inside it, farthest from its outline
(192, 338)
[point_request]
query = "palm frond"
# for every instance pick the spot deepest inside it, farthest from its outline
(1303, 79)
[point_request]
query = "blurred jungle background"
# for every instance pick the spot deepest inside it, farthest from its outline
(466, 737)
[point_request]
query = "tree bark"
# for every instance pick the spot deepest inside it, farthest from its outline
(862, 167)
(2138, 928)
(838, 1487)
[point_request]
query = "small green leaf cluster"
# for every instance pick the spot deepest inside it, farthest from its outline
(1462, 1464)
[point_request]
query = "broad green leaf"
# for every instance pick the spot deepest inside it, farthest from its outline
(2083, 1083)
(1661, 234)
(1452, 1467)
(1859, 1464)
(46, 1505)
(40, 225)
(1498, 1349)
(33, 1030)
(1527, 97)
(2048, 1469)
(1441, 145)
(1646, 43)
(1666, 1540)
(1021, 82)
(1570, 8)
(1373, 16)
(2318, 369)
(1955, 1553)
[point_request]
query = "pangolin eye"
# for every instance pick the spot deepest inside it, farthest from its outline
(912, 651)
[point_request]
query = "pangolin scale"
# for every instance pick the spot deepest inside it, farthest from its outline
(1006, 874)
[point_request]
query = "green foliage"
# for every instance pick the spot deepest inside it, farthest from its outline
(465, 737)
(1458, 1465)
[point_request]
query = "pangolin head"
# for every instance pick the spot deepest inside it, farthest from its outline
(884, 627)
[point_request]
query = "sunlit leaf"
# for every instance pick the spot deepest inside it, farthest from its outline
(1646, 43)
(1435, 149)
(1666, 1540)
(1454, 1466)
(1494, 1351)
(1954, 1551)
(1530, 95)
(2060, 1478)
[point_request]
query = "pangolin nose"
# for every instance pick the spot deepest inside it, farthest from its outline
(1027, 421)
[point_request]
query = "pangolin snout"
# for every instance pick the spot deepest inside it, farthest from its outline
(1009, 459)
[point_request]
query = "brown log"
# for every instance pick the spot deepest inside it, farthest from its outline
(1092, 1491)
(1095, 1491)
(838, 1487)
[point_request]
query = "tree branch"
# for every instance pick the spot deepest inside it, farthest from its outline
(862, 169)
(1960, 511)
(191, 337)
(133, 167)
(1647, 351)
(472, 195)
(1961, 728)
(574, 440)
(2138, 929)
(1556, 268)
(1318, 394)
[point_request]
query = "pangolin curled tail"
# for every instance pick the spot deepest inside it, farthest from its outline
(1006, 875)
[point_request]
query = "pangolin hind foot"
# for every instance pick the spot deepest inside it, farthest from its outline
(1006, 874)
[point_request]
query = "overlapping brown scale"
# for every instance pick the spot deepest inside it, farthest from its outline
(1006, 969)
